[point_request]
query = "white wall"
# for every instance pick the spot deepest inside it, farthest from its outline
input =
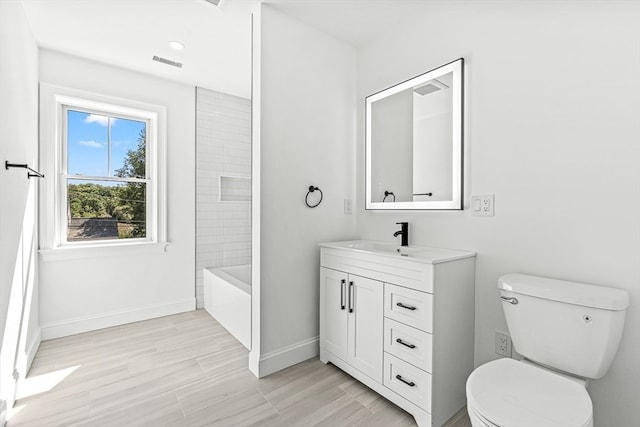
(552, 128)
(90, 293)
(308, 84)
(223, 148)
(19, 331)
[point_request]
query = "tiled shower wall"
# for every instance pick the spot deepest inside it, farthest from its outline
(223, 149)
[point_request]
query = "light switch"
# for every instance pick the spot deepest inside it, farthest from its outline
(483, 205)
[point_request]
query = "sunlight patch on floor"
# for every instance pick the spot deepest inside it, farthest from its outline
(43, 383)
(13, 411)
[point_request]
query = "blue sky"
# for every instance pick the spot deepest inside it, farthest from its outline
(89, 144)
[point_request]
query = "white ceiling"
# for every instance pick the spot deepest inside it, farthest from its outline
(355, 22)
(128, 33)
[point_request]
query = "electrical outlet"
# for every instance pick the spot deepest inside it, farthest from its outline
(483, 205)
(347, 206)
(503, 344)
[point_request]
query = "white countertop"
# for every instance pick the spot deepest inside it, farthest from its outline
(425, 254)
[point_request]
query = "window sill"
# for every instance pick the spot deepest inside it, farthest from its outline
(63, 253)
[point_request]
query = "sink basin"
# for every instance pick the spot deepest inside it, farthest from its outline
(365, 245)
(413, 252)
(368, 246)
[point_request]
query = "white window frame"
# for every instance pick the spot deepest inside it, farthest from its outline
(55, 101)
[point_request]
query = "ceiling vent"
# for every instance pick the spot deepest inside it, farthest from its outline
(214, 2)
(168, 61)
(430, 87)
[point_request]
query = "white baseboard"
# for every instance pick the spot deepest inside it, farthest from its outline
(114, 318)
(33, 349)
(277, 360)
(254, 362)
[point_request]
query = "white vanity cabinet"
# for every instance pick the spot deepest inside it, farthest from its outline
(400, 320)
(353, 305)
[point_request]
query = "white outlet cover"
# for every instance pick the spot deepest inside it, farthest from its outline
(502, 344)
(347, 206)
(483, 205)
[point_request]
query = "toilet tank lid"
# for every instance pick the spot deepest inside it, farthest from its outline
(569, 292)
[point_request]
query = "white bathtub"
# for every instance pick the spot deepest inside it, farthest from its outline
(227, 297)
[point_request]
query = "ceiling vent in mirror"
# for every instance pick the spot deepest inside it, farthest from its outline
(430, 87)
(167, 61)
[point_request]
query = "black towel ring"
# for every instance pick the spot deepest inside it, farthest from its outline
(387, 194)
(311, 190)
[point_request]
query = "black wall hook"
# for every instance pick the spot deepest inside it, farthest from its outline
(311, 190)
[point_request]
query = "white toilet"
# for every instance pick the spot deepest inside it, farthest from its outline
(567, 333)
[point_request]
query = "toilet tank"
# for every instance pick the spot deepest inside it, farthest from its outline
(569, 326)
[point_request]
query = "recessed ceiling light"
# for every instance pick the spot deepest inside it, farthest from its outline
(176, 45)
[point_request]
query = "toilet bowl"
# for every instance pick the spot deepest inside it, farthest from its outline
(509, 393)
(567, 332)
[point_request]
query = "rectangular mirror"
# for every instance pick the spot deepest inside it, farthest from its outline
(414, 142)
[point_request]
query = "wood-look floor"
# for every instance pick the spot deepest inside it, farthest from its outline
(186, 370)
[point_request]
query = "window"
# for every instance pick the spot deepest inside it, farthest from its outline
(107, 159)
(106, 177)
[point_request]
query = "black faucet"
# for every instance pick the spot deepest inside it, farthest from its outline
(404, 232)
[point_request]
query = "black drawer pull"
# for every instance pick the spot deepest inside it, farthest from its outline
(399, 341)
(409, 383)
(408, 307)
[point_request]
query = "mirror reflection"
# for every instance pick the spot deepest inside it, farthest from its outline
(414, 142)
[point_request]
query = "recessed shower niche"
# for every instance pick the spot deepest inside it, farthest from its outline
(235, 188)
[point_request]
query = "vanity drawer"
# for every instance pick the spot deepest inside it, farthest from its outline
(408, 306)
(408, 381)
(409, 344)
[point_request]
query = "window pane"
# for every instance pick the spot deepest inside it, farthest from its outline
(87, 143)
(128, 148)
(103, 210)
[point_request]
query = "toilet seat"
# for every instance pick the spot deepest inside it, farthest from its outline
(477, 420)
(509, 393)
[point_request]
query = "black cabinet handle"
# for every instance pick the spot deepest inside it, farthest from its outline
(409, 383)
(342, 292)
(350, 297)
(399, 341)
(408, 307)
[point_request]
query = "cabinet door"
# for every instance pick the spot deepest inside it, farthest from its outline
(365, 325)
(333, 312)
